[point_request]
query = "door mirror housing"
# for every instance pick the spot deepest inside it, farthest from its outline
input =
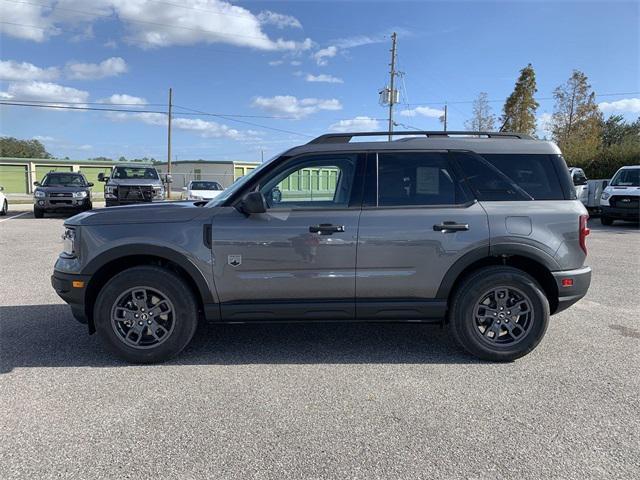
(166, 178)
(37, 184)
(184, 189)
(102, 177)
(253, 202)
(90, 184)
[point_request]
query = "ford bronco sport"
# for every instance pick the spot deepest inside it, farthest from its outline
(481, 231)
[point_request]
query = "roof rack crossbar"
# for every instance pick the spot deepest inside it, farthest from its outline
(346, 137)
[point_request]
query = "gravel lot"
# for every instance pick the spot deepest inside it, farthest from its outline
(339, 401)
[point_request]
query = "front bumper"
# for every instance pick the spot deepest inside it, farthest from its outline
(621, 213)
(62, 283)
(61, 203)
(568, 295)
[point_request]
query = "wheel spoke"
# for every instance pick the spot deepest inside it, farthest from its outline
(161, 308)
(501, 295)
(139, 298)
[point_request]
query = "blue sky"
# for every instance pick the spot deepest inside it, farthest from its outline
(319, 64)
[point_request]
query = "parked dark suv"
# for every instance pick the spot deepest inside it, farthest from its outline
(481, 231)
(61, 192)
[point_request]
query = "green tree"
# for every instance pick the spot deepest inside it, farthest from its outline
(13, 147)
(519, 111)
(576, 124)
(616, 130)
(482, 120)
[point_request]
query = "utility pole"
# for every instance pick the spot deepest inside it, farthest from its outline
(392, 74)
(445, 117)
(169, 142)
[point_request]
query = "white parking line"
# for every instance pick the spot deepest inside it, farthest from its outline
(13, 216)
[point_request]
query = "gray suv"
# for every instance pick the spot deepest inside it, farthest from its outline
(480, 231)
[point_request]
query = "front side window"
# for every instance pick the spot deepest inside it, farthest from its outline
(416, 178)
(312, 182)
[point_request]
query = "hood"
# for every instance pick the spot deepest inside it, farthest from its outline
(622, 190)
(62, 189)
(135, 181)
(164, 212)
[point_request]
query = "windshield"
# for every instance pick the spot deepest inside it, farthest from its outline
(135, 173)
(63, 180)
(205, 186)
(629, 177)
(240, 183)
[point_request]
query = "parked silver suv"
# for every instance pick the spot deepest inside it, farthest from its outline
(481, 231)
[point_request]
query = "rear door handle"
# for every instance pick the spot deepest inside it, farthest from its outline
(326, 229)
(447, 227)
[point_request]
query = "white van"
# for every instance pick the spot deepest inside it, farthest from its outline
(621, 199)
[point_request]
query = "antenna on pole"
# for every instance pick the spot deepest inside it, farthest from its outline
(169, 142)
(392, 91)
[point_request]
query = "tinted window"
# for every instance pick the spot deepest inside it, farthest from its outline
(535, 174)
(415, 178)
(135, 173)
(488, 182)
(63, 179)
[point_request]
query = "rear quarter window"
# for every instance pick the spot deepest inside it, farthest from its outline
(535, 174)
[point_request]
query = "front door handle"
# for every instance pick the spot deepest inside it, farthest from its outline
(448, 227)
(326, 229)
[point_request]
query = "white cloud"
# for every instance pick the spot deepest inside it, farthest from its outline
(543, 124)
(268, 17)
(110, 44)
(45, 92)
(275, 63)
(321, 56)
(203, 128)
(294, 107)
(124, 99)
(43, 138)
(11, 70)
(85, 147)
(323, 78)
(422, 111)
(360, 123)
(631, 105)
(26, 21)
(296, 63)
(149, 24)
(360, 40)
(111, 67)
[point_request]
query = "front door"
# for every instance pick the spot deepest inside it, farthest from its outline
(416, 222)
(297, 260)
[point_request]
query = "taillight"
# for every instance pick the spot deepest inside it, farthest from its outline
(584, 231)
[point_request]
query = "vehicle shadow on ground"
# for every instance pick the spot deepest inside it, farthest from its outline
(48, 336)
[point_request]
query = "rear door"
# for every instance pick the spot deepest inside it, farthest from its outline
(417, 220)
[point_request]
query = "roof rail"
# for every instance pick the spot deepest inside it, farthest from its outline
(346, 137)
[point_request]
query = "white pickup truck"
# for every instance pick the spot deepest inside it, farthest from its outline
(587, 191)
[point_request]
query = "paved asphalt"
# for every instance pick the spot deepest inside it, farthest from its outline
(339, 401)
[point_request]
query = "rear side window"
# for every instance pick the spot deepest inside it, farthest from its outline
(488, 183)
(535, 174)
(416, 178)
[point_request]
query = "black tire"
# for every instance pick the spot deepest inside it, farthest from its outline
(606, 220)
(38, 212)
(165, 283)
(4, 209)
(468, 333)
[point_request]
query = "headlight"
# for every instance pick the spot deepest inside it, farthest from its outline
(79, 194)
(605, 195)
(109, 189)
(69, 240)
(158, 191)
(194, 197)
(39, 194)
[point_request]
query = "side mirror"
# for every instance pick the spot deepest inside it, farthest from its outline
(605, 184)
(90, 184)
(101, 177)
(184, 188)
(1, 188)
(253, 202)
(37, 184)
(166, 178)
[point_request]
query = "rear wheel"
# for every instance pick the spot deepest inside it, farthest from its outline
(606, 220)
(146, 314)
(499, 314)
(4, 209)
(38, 212)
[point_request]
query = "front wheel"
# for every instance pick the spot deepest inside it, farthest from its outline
(4, 209)
(38, 212)
(499, 314)
(606, 220)
(146, 314)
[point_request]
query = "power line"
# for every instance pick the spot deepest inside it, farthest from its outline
(72, 107)
(90, 103)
